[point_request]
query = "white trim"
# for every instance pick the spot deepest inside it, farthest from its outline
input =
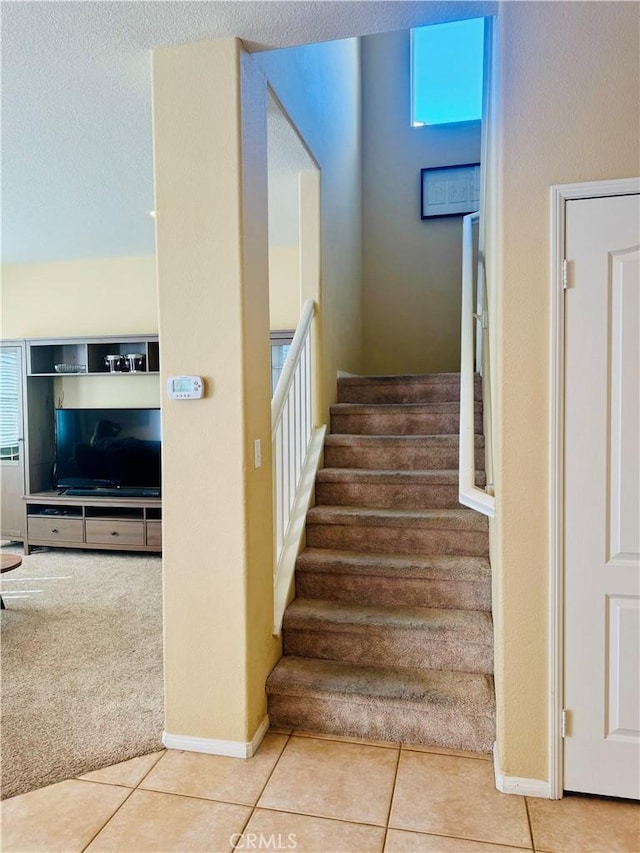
(288, 371)
(478, 500)
(293, 537)
(519, 784)
(468, 493)
(211, 746)
(556, 492)
(292, 435)
(560, 194)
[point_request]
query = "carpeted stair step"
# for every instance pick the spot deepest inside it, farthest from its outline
(390, 636)
(399, 531)
(462, 583)
(429, 388)
(389, 489)
(454, 710)
(413, 637)
(396, 452)
(400, 419)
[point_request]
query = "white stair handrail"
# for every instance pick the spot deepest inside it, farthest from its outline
(300, 337)
(296, 447)
(469, 494)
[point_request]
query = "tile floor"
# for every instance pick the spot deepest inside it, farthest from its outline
(307, 792)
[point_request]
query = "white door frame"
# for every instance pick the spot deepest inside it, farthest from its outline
(560, 195)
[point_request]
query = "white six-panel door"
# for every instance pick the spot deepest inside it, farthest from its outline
(602, 497)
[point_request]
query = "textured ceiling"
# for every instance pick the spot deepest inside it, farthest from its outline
(76, 104)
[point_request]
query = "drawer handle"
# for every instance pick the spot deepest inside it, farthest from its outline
(55, 530)
(114, 533)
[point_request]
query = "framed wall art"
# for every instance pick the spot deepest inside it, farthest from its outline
(449, 190)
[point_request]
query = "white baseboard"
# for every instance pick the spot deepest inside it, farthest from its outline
(210, 746)
(519, 784)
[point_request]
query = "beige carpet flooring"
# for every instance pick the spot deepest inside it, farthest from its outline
(81, 664)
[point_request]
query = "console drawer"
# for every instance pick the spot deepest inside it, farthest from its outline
(116, 532)
(55, 528)
(154, 533)
(64, 529)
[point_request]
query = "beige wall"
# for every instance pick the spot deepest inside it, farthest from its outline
(106, 296)
(287, 158)
(103, 296)
(411, 267)
(102, 392)
(197, 91)
(211, 192)
(113, 296)
(319, 88)
(284, 286)
(570, 112)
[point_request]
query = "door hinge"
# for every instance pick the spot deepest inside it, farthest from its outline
(565, 274)
(565, 722)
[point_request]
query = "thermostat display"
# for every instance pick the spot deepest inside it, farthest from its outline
(185, 387)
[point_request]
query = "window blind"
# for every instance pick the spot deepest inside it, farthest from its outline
(9, 404)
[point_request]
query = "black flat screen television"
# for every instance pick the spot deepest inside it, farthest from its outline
(108, 449)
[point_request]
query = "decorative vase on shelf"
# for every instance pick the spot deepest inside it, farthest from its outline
(114, 363)
(135, 362)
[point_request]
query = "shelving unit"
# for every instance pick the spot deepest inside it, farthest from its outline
(52, 519)
(87, 355)
(115, 524)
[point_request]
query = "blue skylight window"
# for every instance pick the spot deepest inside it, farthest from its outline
(447, 63)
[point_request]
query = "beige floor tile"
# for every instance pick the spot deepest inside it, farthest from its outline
(216, 777)
(306, 834)
(62, 817)
(127, 773)
(585, 825)
(326, 778)
(421, 747)
(400, 841)
(150, 822)
(446, 795)
(344, 739)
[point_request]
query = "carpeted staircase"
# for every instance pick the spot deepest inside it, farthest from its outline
(390, 634)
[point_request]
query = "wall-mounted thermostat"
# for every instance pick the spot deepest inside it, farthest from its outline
(185, 387)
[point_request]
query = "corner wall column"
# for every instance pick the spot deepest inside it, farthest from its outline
(215, 541)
